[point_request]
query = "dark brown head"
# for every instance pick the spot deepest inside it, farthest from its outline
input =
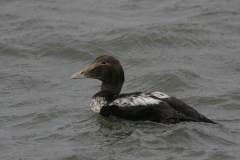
(107, 69)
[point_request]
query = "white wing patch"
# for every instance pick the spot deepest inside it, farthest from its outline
(143, 99)
(97, 103)
(159, 95)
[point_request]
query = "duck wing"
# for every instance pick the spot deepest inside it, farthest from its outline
(143, 106)
(186, 110)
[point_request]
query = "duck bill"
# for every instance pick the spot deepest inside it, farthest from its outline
(78, 74)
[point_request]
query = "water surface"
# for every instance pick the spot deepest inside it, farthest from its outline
(186, 49)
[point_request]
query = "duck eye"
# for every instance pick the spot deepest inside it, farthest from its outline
(103, 62)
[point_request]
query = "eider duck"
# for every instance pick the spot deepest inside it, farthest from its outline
(137, 106)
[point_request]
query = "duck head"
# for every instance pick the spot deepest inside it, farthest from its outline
(108, 70)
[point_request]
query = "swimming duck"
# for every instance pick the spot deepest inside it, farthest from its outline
(137, 106)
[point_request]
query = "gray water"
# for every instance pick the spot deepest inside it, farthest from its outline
(184, 48)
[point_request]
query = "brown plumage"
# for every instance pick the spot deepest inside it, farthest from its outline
(152, 106)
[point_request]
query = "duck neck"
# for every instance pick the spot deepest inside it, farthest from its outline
(113, 86)
(112, 89)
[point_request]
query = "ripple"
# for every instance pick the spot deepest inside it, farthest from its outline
(186, 49)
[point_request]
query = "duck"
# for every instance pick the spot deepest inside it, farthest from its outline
(137, 106)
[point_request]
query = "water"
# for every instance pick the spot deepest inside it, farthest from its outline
(186, 49)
